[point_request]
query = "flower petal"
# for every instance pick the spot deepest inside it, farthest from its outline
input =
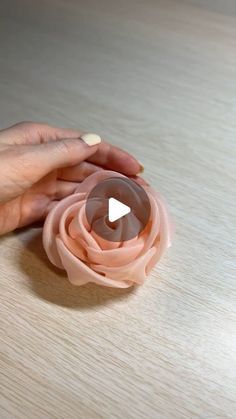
(71, 243)
(114, 257)
(134, 271)
(79, 273)
(51, 227)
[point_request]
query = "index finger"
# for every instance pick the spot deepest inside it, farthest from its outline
(107, 156)
(113, 158)
(35, 133)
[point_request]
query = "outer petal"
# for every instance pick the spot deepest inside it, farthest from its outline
(51, 227)
(153, 228)
(74, 244)
(166, 231)
(134, 271)
(79, 273)
(114, 257)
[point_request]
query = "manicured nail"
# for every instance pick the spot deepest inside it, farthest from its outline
(141, 170)
(91, 139)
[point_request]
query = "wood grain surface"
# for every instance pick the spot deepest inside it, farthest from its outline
(157, 78)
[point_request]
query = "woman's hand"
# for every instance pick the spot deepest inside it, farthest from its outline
(39, 165)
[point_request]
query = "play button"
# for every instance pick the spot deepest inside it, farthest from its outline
(117, 209)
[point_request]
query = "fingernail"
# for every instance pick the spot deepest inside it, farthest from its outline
(91, 139)
(141, 170)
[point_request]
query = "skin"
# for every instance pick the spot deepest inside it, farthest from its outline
(40, 165)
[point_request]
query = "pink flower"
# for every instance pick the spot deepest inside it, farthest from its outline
(71, 245)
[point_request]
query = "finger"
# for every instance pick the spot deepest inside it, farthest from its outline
(79, 172)
(36, 161)
(50, 206)
(20, 212)
(33, 133)
(108, 156)
(45, 212)
(31, 207)
(113, 158)
(64, 188)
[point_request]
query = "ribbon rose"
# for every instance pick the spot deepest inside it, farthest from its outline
(71, 244)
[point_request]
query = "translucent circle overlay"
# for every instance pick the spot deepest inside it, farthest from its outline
(129, 193)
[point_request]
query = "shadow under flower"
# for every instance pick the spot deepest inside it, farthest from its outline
(51, 284)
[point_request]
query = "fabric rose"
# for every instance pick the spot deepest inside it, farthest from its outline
(71, 244)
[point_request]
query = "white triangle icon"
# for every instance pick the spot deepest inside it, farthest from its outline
(116, 209)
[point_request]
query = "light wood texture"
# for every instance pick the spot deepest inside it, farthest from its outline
(157, 78)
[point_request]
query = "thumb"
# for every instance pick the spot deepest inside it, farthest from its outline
(41, 159)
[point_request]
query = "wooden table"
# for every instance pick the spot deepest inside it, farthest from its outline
(156, 77)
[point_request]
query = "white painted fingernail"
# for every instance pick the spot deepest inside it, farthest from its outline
(141, 168)
(91, 139)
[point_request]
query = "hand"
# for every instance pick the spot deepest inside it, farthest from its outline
(40, 165)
